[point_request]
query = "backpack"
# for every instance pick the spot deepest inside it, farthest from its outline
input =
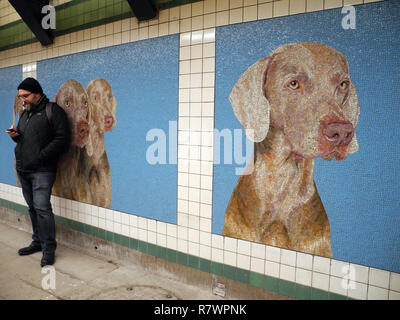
(49, 112)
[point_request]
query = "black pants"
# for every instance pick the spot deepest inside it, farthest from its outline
(36, 188)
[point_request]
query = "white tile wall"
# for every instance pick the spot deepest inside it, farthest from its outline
(7, 13)
(196, 24)
(196, 87)
(29, 70)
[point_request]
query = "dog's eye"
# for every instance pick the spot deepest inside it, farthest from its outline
(344, 85)
(294, 84)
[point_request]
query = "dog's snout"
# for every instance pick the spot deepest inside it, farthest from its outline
(108, 123)
(83, 128)
(338, 133)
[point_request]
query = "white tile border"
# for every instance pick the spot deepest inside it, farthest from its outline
(192, 234)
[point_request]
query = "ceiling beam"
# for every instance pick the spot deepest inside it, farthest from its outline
(143, 9)
(31, 13)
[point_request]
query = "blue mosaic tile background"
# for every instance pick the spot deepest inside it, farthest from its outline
(9, 79)
(144, 79)
(360, 194)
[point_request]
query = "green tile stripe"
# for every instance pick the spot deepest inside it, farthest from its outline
(287, 288)
(89, 13)
(74, 16)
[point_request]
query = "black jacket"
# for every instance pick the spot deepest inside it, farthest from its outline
(41, 141)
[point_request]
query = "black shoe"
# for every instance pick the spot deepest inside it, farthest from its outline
(33, 248)
(47, 259)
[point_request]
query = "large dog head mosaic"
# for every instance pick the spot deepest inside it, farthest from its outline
(72, 97)
(305, 90)
(103, 101)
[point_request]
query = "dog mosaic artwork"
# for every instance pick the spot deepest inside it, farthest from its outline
(297, 104)
(84, 172)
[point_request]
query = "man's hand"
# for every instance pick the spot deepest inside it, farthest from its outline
(12, 132)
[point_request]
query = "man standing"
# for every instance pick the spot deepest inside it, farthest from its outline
(41, 139)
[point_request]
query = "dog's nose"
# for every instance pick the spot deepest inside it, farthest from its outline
(338, 133)
(108, 123)
(83, 129)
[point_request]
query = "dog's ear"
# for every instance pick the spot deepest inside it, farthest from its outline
(249, 103)
(89, 145)
(90, 109)
(16, 109)
(55, 96)
(353, 109)
(89, 87)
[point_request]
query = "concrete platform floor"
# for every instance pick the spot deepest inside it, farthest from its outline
(78, 276)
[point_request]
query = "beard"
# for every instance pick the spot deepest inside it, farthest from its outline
(30, 106)
(26, 106)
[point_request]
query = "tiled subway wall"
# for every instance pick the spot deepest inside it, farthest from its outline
(7, 13)
(191, 240)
